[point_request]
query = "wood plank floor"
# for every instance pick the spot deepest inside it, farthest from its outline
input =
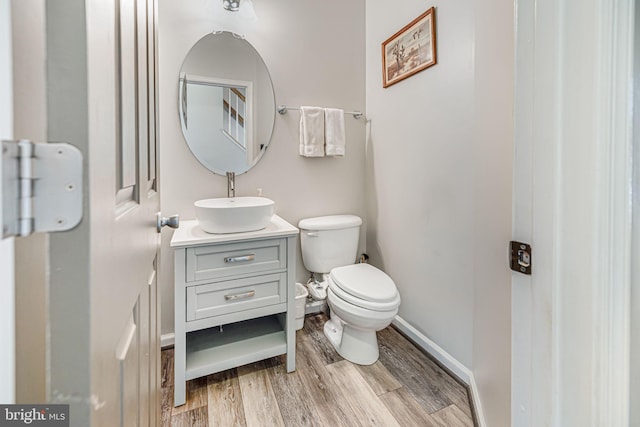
(403, 388)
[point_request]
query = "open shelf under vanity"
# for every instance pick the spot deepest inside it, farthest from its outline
(214, 350)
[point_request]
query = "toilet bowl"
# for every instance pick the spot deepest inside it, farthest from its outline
(362, 300)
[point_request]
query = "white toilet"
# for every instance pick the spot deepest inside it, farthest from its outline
(362, 298)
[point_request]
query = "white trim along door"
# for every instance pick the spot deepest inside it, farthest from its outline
(7, 285)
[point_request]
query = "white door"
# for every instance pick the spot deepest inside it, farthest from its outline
(7, 304)
(103, 299)
(570, 318)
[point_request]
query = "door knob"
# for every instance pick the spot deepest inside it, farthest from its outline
(173, 221)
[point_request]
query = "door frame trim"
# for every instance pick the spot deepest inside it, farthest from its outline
(574, 120)
(613, 273)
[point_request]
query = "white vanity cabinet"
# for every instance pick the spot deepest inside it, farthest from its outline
(234, 299)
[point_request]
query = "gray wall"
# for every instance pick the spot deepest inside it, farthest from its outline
(493, 151)
(309, 66)
(439, 172)
(420, 165)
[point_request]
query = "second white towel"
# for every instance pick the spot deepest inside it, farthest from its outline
(312, 131)
(334, 134)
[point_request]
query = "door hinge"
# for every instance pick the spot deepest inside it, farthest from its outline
(520, 258)
(41, 187)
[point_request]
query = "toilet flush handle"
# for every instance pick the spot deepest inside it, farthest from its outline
(312, 234)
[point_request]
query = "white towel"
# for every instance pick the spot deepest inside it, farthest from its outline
(334, 135)
(311, 132)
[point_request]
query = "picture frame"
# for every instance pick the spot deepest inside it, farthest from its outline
(410, 50)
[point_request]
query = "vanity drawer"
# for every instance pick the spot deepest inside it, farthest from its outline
(211, 262)
(220, 298)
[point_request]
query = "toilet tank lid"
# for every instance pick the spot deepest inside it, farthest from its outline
(331, 222)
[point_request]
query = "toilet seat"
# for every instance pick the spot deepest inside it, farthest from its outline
(364, 286)
(362, 303)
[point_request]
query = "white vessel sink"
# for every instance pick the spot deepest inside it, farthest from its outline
(234, 215)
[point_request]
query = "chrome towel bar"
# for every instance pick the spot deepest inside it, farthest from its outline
(282, 109)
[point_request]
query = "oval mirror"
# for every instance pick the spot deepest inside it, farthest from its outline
(226, 103)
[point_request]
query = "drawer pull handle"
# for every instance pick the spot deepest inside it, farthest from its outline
(243, 258)
(240, 296)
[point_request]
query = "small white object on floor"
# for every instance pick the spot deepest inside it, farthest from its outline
(318, 290)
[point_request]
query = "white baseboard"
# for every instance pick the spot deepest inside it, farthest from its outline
(477, 405)
(167, 340)
(448, 361)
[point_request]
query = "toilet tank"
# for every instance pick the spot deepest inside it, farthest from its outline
(329, 241)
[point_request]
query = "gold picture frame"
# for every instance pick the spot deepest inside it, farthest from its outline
(410, 50)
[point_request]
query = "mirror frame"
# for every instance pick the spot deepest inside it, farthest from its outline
(256, 145)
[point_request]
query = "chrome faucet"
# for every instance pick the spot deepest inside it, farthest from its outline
(231, 184)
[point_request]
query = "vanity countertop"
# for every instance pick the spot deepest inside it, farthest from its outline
(190, 234)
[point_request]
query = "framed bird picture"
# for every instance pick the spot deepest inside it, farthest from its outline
(410, 50)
